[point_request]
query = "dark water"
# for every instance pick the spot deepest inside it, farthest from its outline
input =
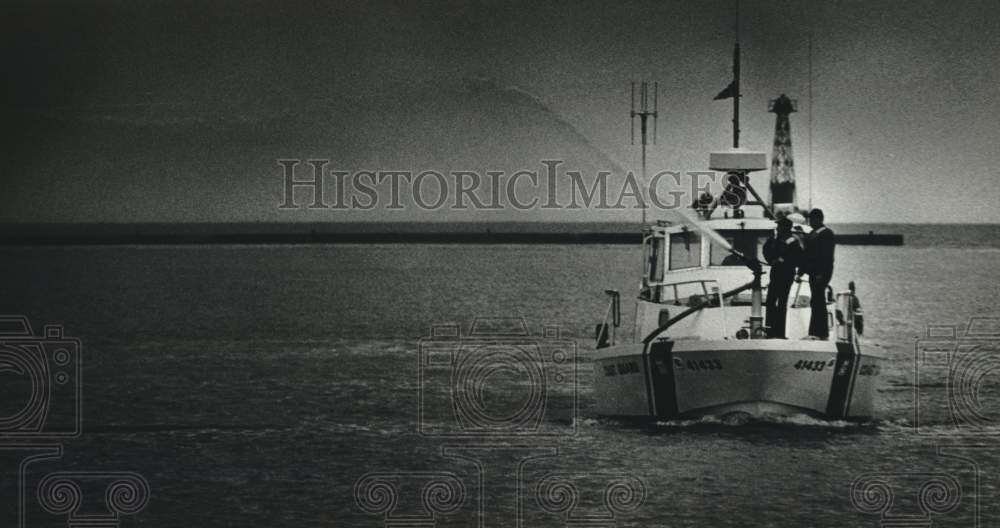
(257, 386)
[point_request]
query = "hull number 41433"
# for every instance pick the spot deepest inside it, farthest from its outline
(812, 365)
(704, 364)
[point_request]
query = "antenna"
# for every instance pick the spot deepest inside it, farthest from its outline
(644, 111)
(736, 81)
(811, 180)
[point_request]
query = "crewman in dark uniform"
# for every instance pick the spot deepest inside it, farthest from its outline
(784, 253)
(819, 264)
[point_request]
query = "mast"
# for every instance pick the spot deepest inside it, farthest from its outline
(736, 96)
(733, 90)
(737, 165)
(644, 111)
(736, 81)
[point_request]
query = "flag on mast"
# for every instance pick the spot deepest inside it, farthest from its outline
(729, 91)
(733, 89)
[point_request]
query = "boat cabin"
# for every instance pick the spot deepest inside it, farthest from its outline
(683, 270)
(677, 254)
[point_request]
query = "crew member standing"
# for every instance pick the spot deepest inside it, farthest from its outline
(819, 263)
(784, 253)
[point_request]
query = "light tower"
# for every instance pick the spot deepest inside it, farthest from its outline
(782, 163)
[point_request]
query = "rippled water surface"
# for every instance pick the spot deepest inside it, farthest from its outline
(257, 386)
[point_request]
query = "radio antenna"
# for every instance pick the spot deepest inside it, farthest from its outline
(644, 110)
(811, 179)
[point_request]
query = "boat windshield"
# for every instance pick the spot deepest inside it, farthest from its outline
(685, 250)
(746, 241)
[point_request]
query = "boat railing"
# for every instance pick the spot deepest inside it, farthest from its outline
(847, 316)
(798, 301)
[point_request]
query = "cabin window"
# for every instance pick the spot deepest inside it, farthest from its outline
(685, 250)
(746, 242)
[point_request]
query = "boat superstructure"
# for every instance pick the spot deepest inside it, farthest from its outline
(700, 343)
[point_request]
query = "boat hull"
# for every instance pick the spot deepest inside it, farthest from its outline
(689, 378)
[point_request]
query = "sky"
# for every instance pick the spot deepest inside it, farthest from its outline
(177, 111)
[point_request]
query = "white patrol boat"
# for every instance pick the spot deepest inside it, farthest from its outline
(700, 346)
